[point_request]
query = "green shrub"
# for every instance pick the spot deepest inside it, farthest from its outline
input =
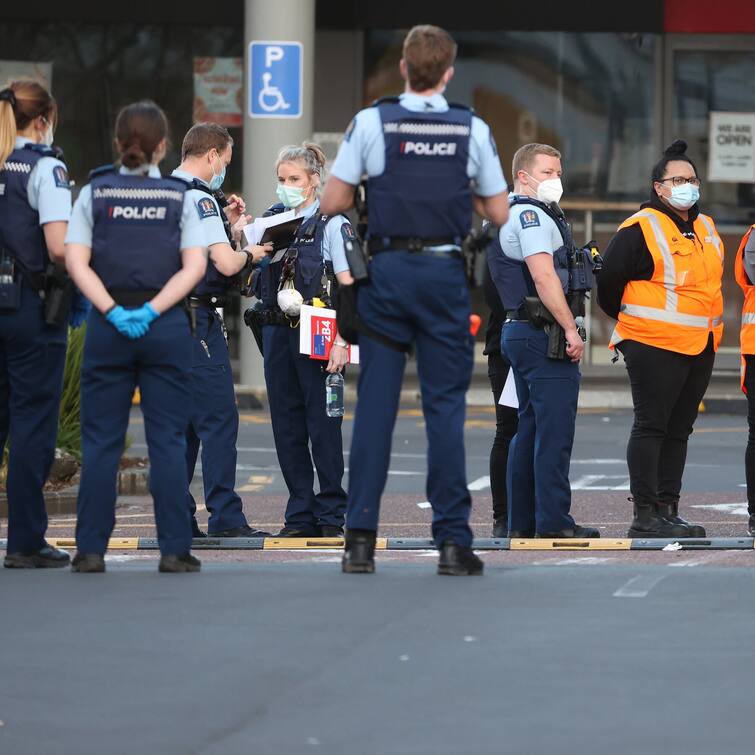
(69, 424)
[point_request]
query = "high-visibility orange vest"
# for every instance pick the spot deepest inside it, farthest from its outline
(747, 331)
(681, 304)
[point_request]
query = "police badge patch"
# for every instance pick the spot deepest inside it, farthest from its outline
(60, 176)
(529, 219)
(206, 208)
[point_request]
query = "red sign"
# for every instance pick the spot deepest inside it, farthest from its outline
(323, 334)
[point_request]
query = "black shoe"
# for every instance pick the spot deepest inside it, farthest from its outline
(195, 531)
(243, 531)
(46, 557)
(751, 526)
(577, 531)
(648, 523)
(670, 512)
(330, 530)
(89, 563)
(457, 561)
(298, 531)
(500, 528)
(358, 552)
(173, 564)
(521, 534)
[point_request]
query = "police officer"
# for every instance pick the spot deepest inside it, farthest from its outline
(35, 205)
(309, 269)
(429, 164)
(135, 247)
(205, 154)
(537, 243)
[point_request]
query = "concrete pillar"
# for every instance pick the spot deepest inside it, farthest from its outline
(267, 21)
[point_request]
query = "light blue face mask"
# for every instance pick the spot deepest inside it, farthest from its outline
(684, 196)
(290, 196)
(217, 178)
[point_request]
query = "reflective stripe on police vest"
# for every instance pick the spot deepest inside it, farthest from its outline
(676, 318)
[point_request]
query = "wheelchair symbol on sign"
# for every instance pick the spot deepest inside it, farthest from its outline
(270, 98)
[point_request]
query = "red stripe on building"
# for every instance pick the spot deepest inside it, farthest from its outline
(706, 17)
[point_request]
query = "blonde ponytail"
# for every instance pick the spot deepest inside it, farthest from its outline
(7, 128)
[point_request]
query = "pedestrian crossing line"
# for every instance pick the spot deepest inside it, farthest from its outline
(570, 544)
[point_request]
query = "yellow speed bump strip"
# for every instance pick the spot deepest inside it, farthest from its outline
(115, 543)
(302, 543)
(569, 544)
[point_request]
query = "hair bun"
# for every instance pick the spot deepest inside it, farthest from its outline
(676, 148)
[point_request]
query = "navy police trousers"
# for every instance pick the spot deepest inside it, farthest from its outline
(160, 364)
(420, 299)
(32, 358)
(214, 423)
(539, 495)
(296, 393)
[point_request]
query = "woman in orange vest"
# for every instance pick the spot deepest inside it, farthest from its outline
(744, 272)
(662, 281)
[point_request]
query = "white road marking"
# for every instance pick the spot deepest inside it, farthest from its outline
(688, 563)
(480, 483)
(739, 509)
(424, 504)
(589, 482)
(639, 586)
(581, 561)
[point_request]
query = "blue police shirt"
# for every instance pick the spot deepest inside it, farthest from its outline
(211, 222)
(82, 219)
(333, 250)
(363, 147)
(48, 190)
(529, 230)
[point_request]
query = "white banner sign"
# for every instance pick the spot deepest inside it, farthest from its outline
(731, 153)
(218, 90)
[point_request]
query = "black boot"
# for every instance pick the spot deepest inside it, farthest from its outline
(46, 557)
(648, 523)
(501, 527)
(173, 564)
(670, 512)
(457, 561)
(358, 552)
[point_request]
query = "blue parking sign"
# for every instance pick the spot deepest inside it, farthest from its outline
(275, 79)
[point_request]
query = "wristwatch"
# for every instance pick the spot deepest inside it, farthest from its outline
(341, 344)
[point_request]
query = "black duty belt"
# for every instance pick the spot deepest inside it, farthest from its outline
(208, 301)
(133, 298)
(516, 314)
(274, 317)
(417, 244)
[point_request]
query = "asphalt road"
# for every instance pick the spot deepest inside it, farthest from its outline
(278, 652)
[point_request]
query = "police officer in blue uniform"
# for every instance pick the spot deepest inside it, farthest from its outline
(308, 269)
(536, 242)
(136, 248)
(429, 164)
(35, 205)
(205, 154)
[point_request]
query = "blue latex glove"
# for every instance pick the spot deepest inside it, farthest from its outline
(122, 320)
(143, 317)
(79, 310)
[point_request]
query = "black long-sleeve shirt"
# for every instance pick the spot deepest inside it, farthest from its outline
(627, 258)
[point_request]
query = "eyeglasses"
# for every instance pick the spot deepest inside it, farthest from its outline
(681, 180)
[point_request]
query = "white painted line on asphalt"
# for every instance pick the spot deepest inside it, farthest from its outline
(581, 561)
(739, 509)
(599, 461)
(589, 482)
(424, 504)
(480, 483)
(688, 563)
(639, 586)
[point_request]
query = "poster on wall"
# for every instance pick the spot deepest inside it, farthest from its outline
(731, 153)
(219, 90)
(12, 70)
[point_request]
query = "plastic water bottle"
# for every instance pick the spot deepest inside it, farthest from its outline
(334, 395)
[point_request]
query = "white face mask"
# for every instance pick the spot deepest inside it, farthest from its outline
(290, 301)
(549, 191)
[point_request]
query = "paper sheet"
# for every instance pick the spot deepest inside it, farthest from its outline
(508, 394)
(254, 231)
(317, 330)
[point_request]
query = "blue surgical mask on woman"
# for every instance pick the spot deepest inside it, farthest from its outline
(217, 178)
(290, 196)
(684, 196)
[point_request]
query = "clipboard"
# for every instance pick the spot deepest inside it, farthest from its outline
(281, 236)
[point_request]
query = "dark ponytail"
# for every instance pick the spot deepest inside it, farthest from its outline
(139, 129)
(676, 151)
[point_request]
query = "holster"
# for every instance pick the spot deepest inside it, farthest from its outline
(541, 318)
(59, 291)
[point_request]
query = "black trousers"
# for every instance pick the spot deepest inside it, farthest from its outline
(667, 388)
(505, 429)
(750, 452)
